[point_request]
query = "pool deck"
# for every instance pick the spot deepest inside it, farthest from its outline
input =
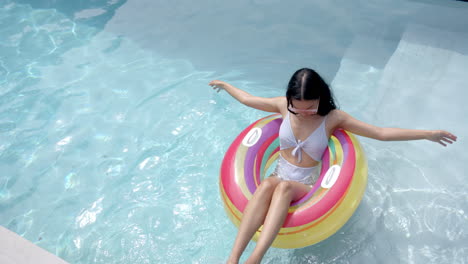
(14, 249)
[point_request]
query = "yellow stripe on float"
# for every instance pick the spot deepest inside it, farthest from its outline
(239, 161)
(270, 161)
(334, 159)
(325, 227)
(233, 213)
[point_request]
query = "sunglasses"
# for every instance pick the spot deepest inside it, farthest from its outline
(303, 111)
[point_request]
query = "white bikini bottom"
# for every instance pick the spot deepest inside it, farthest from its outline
(290, 172)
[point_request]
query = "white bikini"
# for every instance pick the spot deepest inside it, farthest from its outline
(314, 146)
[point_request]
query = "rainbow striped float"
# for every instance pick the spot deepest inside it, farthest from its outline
(319, 214)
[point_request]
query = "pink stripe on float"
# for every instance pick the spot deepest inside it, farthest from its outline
(269, 129)
(323, 170)
(228, 172)
(260, 154)
(302, 217)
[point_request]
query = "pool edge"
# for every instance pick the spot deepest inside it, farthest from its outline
(15, 249)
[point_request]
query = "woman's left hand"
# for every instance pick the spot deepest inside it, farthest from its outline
(442, 137)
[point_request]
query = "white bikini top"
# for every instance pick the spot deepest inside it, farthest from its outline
(314, 145)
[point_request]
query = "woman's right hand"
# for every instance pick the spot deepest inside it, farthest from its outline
(220, 85)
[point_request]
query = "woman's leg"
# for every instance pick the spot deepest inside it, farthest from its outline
(285, 192)
(254, 216)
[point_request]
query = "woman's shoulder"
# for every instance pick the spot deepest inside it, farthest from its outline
(281, 99)
(282, 103)
(338, 114)
(335, 114)
(334, 118)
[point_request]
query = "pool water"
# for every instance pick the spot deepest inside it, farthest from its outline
(111, 140)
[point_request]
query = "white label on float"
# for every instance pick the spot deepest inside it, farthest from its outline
(252, 137)
(331, 176)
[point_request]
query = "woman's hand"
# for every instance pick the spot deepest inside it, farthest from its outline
(442, 137)
(220, 85)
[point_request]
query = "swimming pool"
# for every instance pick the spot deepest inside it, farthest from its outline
(111, 139)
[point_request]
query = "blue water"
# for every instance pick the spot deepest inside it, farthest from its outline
(111, 139)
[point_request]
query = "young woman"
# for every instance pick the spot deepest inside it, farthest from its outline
(309, 118)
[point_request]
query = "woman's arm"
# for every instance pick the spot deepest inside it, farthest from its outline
(357, 127)
(260, 103)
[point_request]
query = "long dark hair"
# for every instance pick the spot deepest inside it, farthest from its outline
(307, 84)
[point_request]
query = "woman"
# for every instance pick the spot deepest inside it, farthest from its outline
(309, 118)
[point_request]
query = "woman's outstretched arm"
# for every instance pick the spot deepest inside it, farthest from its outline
(260, 103)
(355, 126)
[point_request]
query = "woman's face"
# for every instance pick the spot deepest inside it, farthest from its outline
(304, 107)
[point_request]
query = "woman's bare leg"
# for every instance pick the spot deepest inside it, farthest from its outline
(285, 192)
(253, 217)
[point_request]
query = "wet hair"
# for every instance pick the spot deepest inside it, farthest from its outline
(307, 84)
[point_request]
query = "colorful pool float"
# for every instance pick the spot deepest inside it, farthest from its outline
(319, 214)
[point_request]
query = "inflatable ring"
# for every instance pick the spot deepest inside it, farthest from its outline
(316, 216)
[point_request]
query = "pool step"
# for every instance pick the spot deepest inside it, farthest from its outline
(381, 67)
(14, 249)
(360, 71)
(428, 61)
